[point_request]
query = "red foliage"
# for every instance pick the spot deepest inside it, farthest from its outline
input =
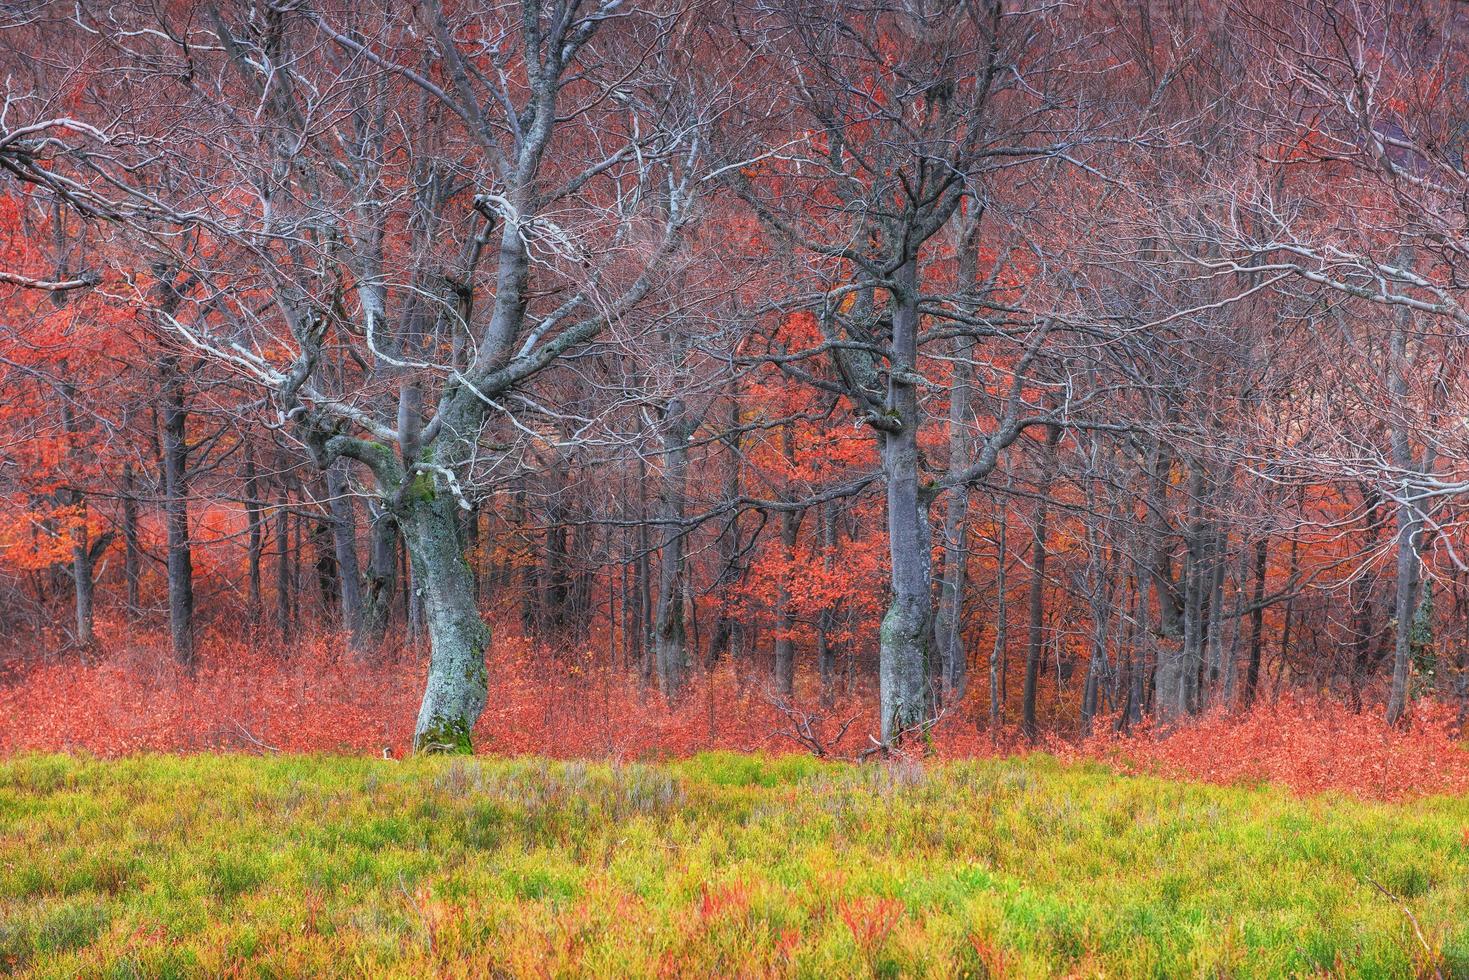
(247, 695)
(1309, 745)
(870, 921)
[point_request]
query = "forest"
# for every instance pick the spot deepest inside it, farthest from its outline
(855, 487)
(1020, 369)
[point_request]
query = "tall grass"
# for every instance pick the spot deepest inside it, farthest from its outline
(717, 865)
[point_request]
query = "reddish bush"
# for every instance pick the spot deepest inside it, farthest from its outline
(1309, 745)
(247, 694)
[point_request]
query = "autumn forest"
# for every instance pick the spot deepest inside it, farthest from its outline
(760, 488)
(862, 375)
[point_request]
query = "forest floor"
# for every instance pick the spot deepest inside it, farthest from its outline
(719, 864)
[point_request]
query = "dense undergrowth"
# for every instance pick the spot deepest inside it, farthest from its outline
(248, 695)
(717, 865)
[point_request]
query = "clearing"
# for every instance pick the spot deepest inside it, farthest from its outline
(721, 864)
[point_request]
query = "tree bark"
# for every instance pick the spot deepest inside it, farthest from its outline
(785, 621)
(826, 648)
(721, 636)
(255, 517)
(1002, 621)
(905, 698)
(132, 552)
(81, 548)
(948, 625)
(1409, 524)
(1257, 623)
(176, 504)
(458, 679)
(1037, 587)
(669, 643)
(1405, 605)
(344, 547)
(283, 565)
(380, 582)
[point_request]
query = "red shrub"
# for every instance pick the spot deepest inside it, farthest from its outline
(247, 694)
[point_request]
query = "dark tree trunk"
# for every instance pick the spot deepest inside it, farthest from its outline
(176, 504)
(1037, 587)
(380, 582)
(255, 517)
(1002, 623)
(1405, 605)
(721, 635)
(81, 546)
(132, 552)
(328, 579)
(82, 573)
(642, 580)
(1257, 623)
(669, 643)
(555, 587)
(283, 564)
(785, 622)
(826, 648)
(344, 548)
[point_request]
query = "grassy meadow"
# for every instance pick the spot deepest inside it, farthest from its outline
(718, 865)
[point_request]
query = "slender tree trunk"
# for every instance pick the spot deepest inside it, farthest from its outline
(132, 552)
(948, 625)
(1290, 615)
(785, 649)
(949, 621)
(1002, 620)
(527, 566)
(721, 635)
(381, 578)
(1257, 623)
(1409, 525)
(1185, 693)
(1037, 586)
(643, 581)
(669, 642)
(328, 579)
(255, 517)
(555, 579)
(297, 554)
(176, 504)
(826, 648)
(1214, 625)
(82, 573)
(283, 565)
(344, 548)
(1404, 607)
(81, 547)
(1101, 614)
(785, 620)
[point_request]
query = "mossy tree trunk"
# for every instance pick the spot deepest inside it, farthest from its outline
(457, 685)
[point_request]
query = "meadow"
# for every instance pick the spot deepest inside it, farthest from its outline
(721, 864)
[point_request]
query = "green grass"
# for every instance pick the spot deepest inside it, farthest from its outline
(719, 865)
